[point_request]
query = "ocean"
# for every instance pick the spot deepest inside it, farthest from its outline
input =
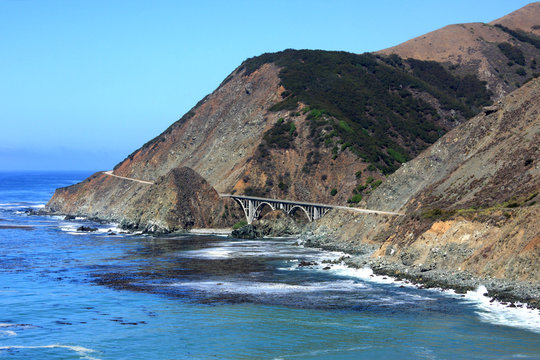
(106, 294)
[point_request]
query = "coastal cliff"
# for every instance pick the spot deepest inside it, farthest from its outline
(471, 204)
(178, 201)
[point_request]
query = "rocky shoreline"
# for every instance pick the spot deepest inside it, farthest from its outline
(509, 293)
(360, 255)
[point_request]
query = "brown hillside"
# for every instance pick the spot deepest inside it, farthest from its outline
(527, 19)
(473, 48)
(471, 199)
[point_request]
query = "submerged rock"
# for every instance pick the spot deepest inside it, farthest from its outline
(86, 228)
(246, 232)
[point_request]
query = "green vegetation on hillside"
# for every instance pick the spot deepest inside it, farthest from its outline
(471, 212)
(522, 36)
(512, 53)
(367, 103)
(281, 135)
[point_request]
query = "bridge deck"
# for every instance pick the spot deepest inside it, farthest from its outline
(367, 211)
(276, 200)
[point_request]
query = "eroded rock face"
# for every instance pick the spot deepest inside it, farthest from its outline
(178, 201)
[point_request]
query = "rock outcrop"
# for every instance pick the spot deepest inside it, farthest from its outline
(178, 201)
(274, 224)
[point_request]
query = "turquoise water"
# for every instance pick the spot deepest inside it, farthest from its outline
(107, 295)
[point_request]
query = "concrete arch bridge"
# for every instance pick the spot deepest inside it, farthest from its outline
(253, 206)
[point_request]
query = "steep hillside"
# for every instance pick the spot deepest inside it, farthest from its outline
(471, 199)
(504, 53)
(307, 125)
(525, 19)
(178, 201)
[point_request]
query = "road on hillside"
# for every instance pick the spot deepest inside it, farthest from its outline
(110, 173)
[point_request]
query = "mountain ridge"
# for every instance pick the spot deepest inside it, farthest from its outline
(473, 48)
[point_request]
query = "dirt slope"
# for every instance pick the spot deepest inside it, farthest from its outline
(474, 48)
(526, 19)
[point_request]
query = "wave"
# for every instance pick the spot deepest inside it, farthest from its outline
(20, 326)
(494, 312)
(322, 352)
(81, 351)
(19, 206)
(4, 333)
(488, 309)
(268, 248)
(71, 228)
(262, 288)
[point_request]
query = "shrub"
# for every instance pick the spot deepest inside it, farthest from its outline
(281, 135)
(432, 213)
(521, 71)
(361, 188)
(333, 192)
(356, 198)
(239, 224)
(358, 174)
(522, 36)
(512, 53)
(396, 155)
(376, 184)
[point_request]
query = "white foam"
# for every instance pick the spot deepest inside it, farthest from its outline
(322, 352)
(23, 204)
(212, 253)
(81, 351)
(4, 333)
(20, 326)
(251, 248)
(258, 288)
(496, 313)
(71, 228)
(365, 273)
(208, 231)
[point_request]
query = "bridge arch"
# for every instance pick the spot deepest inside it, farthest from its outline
(252, 207)
(245, 207)
(296, 207)
(260, 208)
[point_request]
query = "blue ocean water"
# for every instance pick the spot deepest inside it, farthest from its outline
(108, 295)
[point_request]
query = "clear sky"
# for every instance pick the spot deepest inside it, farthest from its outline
(84, 83)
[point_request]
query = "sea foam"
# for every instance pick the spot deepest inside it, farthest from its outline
(81, 351)
(494, 312)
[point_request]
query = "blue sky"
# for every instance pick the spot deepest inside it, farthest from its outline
(84, 83)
